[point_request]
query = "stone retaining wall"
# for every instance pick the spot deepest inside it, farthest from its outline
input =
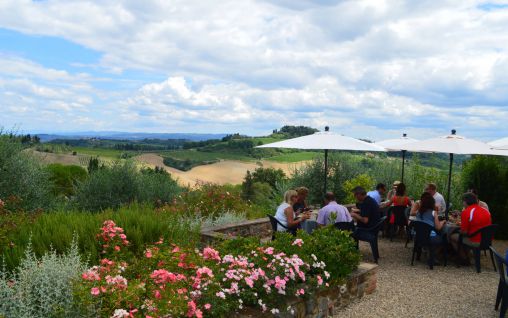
(327, 302)
(259, 228)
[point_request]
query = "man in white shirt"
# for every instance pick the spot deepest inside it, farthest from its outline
(438, 197)
(377, 194)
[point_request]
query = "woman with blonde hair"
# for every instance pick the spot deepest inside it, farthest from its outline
(286, 215)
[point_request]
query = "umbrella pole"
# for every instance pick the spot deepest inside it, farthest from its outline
(403, 163)
(326, 170)
(449, 187)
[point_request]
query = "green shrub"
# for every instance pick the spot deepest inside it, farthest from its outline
(65, 178)
(55, 230)
(41, 287)
(22, 176)
(268, 175)
(489, 176)
(336, 248)
(122, 183)
(361, 180)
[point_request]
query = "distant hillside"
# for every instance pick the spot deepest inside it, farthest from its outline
(116, 135)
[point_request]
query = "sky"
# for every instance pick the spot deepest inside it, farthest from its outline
(367, 68)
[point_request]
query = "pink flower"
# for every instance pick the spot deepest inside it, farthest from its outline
(204, 271)
(208, 306)
(117, 248)
(95, 291)
(298, 242)
(211, 254)
(157, 294)
(269, 250)
(191, 308)
(148, 253)
(319, 280)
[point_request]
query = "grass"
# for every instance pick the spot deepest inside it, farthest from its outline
(295, 156)
(101, 152)
(142, 224)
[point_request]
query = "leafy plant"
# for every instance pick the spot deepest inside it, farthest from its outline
(41, 287)
(22, 176)
(361, 180)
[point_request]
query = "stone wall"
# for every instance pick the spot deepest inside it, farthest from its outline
(327, 302)
(260, 228)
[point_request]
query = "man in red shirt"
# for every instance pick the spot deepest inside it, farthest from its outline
(473, 218)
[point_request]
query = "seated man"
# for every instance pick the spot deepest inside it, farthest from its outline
(440, 201)
(377, 194)
(331, 206)
(366, 216)
(473, 218)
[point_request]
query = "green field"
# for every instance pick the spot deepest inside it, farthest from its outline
(101, 152)
(295, 156)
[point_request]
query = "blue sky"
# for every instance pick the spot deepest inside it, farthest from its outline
(367, 68)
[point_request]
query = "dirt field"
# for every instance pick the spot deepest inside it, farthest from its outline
(227, 171)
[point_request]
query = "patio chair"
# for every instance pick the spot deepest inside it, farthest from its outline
(400, 219)
(487, 234)
(274, 222)
(345, 226)
(502, 288)
(422, 239)
(369, 235)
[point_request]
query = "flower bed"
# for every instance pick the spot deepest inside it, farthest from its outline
(170, 281)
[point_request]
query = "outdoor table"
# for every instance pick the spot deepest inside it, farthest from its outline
(449, 228)
(310, 225)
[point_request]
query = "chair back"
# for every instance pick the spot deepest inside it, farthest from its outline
(376, 227)
(274, 222)
(422, 233)
(345, 226)
(487, 233)
(502, 266)
(399, 213)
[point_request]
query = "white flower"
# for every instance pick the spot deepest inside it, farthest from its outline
(120, 313)
(275, 311)
(313, 257)
(343, 289)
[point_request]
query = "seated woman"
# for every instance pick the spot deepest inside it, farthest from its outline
(426, 213)
(301, 204)
(286, 215)
(400, 201)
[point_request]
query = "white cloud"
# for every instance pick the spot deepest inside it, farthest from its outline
(254, 65)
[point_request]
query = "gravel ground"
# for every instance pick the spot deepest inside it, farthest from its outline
(416, 291)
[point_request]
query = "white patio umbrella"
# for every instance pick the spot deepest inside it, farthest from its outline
(501, 144)
(325, 141)
(397, 144)
(452, 144)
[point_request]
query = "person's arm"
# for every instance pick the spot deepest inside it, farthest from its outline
(464, 221)
(321, 218)
(438, 224)
(291, 220)
(414, 208)
(360, 216)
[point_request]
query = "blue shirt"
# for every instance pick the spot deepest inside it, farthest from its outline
(375, 195)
